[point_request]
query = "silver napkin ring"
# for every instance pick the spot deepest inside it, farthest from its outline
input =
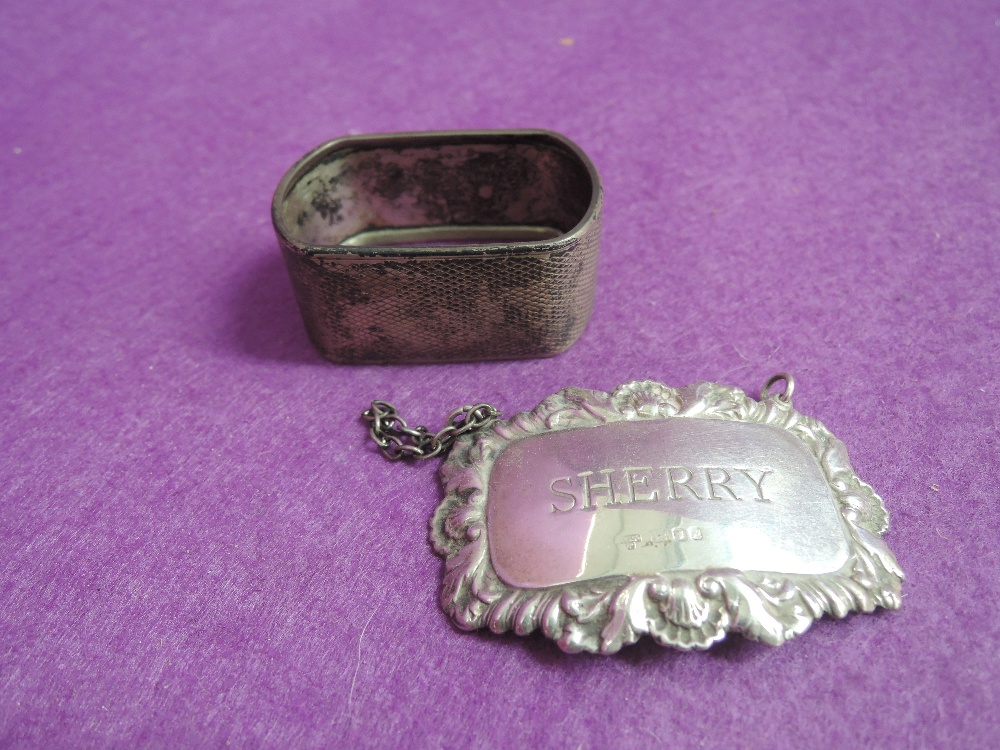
(446, 246)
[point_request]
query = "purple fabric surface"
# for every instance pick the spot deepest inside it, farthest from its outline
(198, 545)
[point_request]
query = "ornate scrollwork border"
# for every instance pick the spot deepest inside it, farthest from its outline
(687, 610)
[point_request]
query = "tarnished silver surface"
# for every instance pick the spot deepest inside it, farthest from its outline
(433, 247)
(683, 514)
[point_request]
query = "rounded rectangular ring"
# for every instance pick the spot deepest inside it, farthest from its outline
(445, 246)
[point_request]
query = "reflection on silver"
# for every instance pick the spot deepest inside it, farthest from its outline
(683, 514)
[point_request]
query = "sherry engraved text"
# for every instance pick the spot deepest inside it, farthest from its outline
(589, 490)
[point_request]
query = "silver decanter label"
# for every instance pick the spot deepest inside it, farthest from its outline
(683, 514)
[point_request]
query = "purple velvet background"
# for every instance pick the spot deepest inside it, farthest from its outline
(198, 545)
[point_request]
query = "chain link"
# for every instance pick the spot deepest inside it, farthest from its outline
(398, 440)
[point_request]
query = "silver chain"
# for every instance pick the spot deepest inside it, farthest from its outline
(398, 440)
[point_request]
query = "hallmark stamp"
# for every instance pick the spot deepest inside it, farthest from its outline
(672, 536)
